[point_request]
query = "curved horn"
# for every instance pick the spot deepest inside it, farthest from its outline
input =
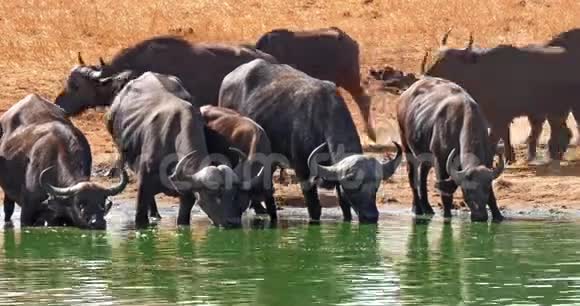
(470, 43)
(456, 175)
(424, 62)
(115, 190)
(241, 154)
(500, 167)
(102, 62)
(58, 191)
(445, 36)
(327, 173)
(80, 58)
(179, 167)
(391, 166)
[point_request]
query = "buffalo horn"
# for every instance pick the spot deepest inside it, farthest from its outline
(452, 170)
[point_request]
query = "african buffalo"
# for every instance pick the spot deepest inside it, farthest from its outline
(200, 67)
(437, 121)
(44, 156)
(327, 54)
(154, 124)
(249, 137)
(303, 117)
(509, 82)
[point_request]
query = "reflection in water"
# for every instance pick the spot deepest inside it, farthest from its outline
(474, 264)
(402, 261)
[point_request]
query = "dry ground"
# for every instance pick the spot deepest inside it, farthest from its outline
(40, 39)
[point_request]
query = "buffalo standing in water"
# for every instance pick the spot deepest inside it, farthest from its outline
(327, 54)
(438, 120)
(42, 153)
(153, 124)
(304, 116)
(248, 137)
(200, 67)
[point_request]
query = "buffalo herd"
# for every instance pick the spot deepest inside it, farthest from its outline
(211, 123)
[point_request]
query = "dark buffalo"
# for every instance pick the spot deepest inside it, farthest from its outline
(303, 117)
(250, 138)
(508, 82)
(200, 67)
(327, 54)
(44, 156)
(438, 120)
(154, 124)
(570, 40)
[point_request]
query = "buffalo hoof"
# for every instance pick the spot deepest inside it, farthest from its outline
(8, 224)
(478, 218)
(498, 219)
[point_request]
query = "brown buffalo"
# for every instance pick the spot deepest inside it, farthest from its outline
(437, 120)
(200, 67)
(250, 138)
(509, 82)
(43, 154)
(327, 54)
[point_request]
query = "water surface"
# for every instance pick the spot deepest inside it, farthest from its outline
(399, 262)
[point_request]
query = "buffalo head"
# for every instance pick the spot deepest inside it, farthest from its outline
(219, 190)
(450, 63)
(476, 184)
(359, 178)
(85, 203)
(87, 87)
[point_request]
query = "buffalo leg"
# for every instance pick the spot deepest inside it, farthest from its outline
(153, 211)
(495, 212)
(559, 136)
(310, 192)
(145, 198)
(186, 203)
(344, 206)
(423, 195)
(412, 173)
(27, 213)
(271, 208)
(536, 130)
(446, 187)
(8, 209)
(503, 131)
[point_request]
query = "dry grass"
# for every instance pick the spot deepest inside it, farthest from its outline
(40, 38)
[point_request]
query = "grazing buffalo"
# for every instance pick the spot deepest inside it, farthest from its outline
(303, 117)
(327, 54)
(508, 82)
(200, 67)
(437, 121)
(44, 156)
(154, 124)
(249, 137)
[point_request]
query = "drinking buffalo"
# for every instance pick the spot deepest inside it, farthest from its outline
(249, 137)
(437, 121)
(153, 124)
(303, 117)
(327, 54)
(201, 68)
(44, 156)
(509, 82)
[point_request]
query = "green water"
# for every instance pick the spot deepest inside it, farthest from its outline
(398, 262)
